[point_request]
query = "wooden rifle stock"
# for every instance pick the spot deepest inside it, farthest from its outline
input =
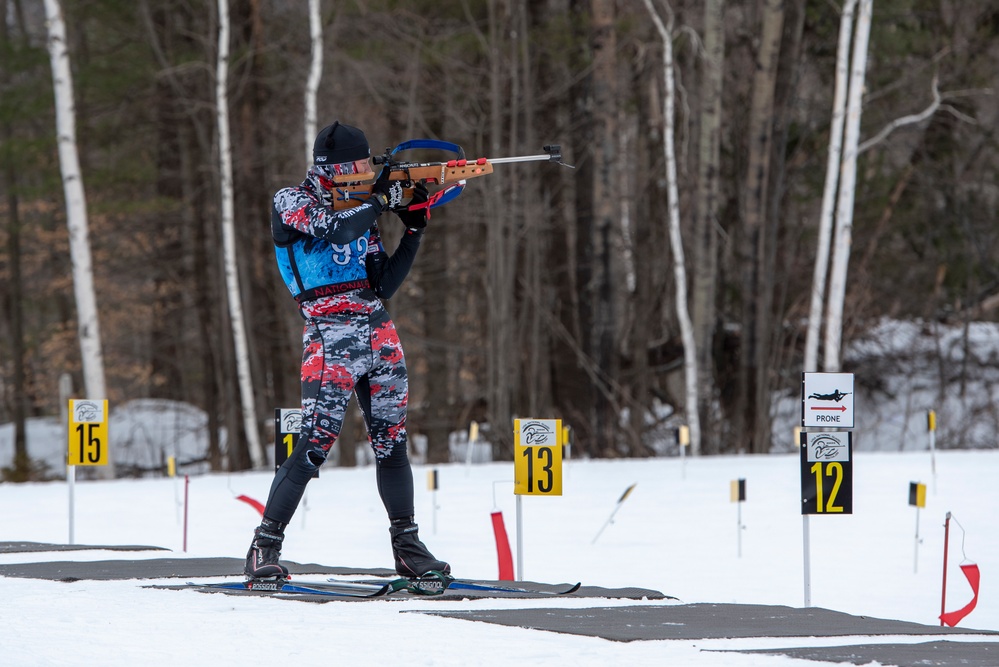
(437, 173)
(356, 189)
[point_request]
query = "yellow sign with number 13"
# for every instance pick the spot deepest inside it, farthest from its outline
(537, 462)
(88, 433)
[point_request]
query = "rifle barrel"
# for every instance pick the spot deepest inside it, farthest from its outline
(525, 158)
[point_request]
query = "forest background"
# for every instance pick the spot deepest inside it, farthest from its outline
(542, 291)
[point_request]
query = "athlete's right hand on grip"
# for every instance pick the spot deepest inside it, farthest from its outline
(387, 194)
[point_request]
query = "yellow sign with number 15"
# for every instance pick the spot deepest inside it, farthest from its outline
(88, 433)
(537, 465)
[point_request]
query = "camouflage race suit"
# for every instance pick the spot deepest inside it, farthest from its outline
(350, 343)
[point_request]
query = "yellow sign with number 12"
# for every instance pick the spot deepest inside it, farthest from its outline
(88, 433)
(537, 465)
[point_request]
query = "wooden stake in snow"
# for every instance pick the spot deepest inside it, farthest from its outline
(610, 519)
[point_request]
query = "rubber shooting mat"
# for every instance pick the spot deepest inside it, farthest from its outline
(699, 621)
(199, 568)
(925, 654)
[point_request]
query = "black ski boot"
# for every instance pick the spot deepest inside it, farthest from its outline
(265, 551)
(412, 558)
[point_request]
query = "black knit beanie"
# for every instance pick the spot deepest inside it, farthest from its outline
(339, 143)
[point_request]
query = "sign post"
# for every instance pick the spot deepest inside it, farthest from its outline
(931, 427)
(737, 494)
(88, 442)
(287, 425)
(433, 483)
(683, 438)
(537, 467)
(917, 498)
(473, 439)
(826, 457)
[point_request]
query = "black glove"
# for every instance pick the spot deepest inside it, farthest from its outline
(416, 219)
(387, 194)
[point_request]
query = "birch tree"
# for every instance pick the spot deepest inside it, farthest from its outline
(821, 268)
(845, 201)
(88, 325)
(315, 76)
(229, 243)
(675, 239)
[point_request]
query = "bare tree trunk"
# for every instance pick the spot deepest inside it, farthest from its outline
(569, 385)
(257, 458)
(537, 223)
(847, 192)
(499, 280)
(190, 121)
(706, 217)
(76, 213)
(829, 193)
(577, 387)
(17, 397)
(315, 76)
(752, 417)
(21, 465)
(676, 241)
(600, 290)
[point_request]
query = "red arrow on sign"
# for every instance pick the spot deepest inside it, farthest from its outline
(841, 408)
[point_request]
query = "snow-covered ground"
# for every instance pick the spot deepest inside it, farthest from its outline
(677, 532)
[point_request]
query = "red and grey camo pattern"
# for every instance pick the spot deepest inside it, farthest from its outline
(348, 336)
(309, 209)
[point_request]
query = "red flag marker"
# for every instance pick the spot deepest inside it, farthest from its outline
(503, 554)
(256, 504)
(974, 577)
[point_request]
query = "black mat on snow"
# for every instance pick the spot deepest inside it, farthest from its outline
(699, 621)
(926, 654)
(161, 568)
(201, 568)
(29, 547)
(646, 622)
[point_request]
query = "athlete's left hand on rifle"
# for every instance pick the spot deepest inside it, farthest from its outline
(415, 216)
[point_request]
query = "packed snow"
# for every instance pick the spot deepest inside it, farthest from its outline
(677, 532)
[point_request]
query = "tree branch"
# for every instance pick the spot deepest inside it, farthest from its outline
(904, 120)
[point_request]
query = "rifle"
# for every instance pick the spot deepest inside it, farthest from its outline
(451, 175)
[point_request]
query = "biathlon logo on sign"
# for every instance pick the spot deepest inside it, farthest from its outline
(827, 400)
(287, 425)
(88, 433)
